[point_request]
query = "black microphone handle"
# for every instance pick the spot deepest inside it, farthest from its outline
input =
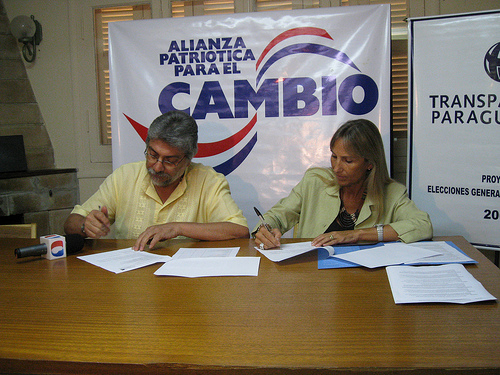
(74, 243)
(31, 251)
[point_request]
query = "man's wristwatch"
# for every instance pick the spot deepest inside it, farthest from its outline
(380, 232)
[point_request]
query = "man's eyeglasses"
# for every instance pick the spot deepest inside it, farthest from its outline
(166, 162)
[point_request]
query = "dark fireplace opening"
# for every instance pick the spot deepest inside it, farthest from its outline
(12, 219)
(12, 154)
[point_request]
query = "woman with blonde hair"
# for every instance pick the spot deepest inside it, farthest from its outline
(354, 200)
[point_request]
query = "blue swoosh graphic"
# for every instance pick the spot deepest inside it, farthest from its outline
(230, 165)
(317, 49)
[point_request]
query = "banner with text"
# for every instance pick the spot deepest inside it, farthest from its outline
(454, 168)
(267, 89)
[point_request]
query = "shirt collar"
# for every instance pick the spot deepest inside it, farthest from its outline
(149, 189)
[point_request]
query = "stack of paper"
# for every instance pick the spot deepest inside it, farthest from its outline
(393, 253)
(450, 283)
(187, 262)
(388, 254)
(124, 260)
(290, 250)
(203, 262)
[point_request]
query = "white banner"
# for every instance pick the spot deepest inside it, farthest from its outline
(267, 89)
(454, 168)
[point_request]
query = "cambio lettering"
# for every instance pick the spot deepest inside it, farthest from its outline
(303, 96)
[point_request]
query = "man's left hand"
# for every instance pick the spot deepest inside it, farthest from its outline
(155, 234)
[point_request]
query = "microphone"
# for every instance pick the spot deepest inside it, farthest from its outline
(53, 246)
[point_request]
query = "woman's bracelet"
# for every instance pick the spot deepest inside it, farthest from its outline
(380, 232)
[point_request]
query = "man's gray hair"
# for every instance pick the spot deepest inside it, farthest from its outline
(177, 129)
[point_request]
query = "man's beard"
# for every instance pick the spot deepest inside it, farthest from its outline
(163, 179)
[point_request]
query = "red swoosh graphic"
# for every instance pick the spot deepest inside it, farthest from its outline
(290, 33)
(205, 149)
(140, 129)
(210, 149)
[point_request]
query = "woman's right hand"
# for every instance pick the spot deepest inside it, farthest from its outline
(267, 239)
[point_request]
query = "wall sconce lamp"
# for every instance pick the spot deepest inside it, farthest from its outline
(29, 32)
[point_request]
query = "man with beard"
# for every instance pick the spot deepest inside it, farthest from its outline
(163, 197)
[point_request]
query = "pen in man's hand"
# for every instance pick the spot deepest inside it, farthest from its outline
(268, 227)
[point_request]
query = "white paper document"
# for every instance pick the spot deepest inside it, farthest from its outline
(390, 254)
(123, 260)
(290, 250)
(448, 254)
(449, 283)
(205, 252)
(211, 266)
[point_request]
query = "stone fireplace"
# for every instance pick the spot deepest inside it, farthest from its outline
(37, 192)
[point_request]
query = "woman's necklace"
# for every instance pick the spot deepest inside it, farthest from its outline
(345, 219)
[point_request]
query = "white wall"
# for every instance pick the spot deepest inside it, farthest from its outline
(63, 76)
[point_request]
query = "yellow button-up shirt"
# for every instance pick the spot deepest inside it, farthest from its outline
(202, 196)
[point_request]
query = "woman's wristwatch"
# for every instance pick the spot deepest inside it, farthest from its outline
(380, 232)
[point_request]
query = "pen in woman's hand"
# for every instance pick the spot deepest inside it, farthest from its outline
(271, 239)
(263, 222)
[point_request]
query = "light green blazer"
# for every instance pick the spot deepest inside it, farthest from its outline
(315, 202)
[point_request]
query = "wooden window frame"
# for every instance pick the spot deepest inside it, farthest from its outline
(102, 17)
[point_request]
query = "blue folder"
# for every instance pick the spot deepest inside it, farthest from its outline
(325, 263)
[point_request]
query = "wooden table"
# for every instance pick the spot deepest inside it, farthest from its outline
(68, 316)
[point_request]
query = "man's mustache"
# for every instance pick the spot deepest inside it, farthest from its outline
(159, 174)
